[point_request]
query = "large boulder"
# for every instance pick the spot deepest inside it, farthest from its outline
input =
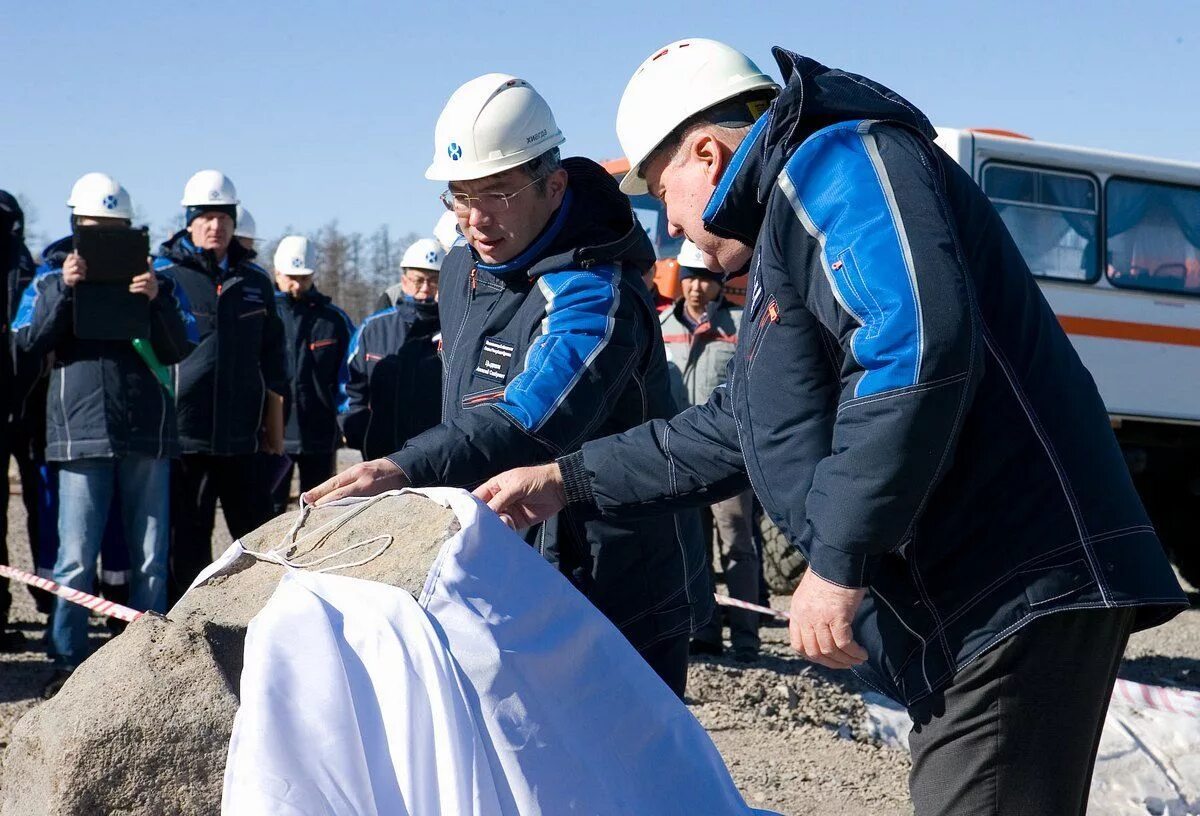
(142, 727)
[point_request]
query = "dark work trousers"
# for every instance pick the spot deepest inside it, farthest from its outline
(669, 659)
(197, 481)
(314, 469)
(733, 520)
(1018, 729)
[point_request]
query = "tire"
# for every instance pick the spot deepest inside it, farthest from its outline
(782, 563)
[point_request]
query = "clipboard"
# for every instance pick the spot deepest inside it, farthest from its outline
(104, 308)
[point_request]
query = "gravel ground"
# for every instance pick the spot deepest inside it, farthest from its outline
(791, 733)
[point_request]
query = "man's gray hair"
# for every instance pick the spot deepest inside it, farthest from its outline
(542, 166)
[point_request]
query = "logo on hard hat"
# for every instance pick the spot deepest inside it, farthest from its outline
(297, 262)
(454, 151)
(110, 202)
(431, 257)
(213, 195)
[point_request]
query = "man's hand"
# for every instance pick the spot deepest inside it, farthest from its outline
(364, 479)
(525, 496)
(74, 269)
(144, 284)
(822, 614)
(271, 438)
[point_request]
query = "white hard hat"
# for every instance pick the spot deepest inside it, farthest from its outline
(99, 195)
(209, 187)
(424, 253)
(446, 232)
(245, 227)
(690, 255)
(491, 124)
(674, 84)
(295, 256)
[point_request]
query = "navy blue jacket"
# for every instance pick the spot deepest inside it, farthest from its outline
(556, 347)
(316, 335)
(904, 402)
(220, 390)
(23, 378)
(392, 380)
(104, 401)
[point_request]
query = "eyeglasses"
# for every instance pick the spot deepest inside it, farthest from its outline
(461, 203)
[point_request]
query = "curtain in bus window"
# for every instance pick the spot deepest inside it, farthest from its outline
(1051, 217)
(1153, 236)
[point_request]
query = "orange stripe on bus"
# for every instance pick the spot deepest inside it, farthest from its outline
(1123, 330)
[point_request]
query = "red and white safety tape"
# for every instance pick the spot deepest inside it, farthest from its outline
(98, 605)
(1159, 698)
(725, 600)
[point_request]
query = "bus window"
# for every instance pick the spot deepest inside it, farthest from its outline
(1052, 217)
(1153, 236)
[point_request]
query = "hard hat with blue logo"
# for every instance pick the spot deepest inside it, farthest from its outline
(98, 195)
(424, 253)
(491, 124)
(295, 256)
(209, 188)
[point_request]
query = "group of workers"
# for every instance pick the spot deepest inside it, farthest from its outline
(896, 394)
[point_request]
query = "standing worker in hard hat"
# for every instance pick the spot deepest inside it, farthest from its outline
(910, 414)
(391, 387)
(700, 331)
(230, 392)
(549, 340)
(111, 423)
(419, 269)
(317, 334)
(244, 230)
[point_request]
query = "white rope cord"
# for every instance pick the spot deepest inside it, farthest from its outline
(282, 553)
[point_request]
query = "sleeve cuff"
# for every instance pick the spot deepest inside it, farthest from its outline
(849, 570)
(404, 460)
(577, 486)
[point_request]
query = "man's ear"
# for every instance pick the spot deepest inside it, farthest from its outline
(556, 184)
(711, 154)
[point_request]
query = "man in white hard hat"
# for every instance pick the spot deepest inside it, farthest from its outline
(244, 230)
(420, 267)
(317, 335)
(230, 392)
(111, 425)
(700, 331)
(554, 342)
(908, 411)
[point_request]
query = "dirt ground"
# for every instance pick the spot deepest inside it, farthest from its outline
(793, 735)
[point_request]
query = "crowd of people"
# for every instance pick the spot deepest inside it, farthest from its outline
(122, 468)
(896, 394)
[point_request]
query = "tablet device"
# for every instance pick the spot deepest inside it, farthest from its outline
(113, 254)
(104, 308)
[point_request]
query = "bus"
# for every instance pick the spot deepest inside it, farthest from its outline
(1114, 242)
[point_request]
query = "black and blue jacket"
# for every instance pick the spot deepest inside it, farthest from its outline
(221, 389)
(556, 347)
(316, 335)
(903, 400)
(392, 380)
(23, 377)
(104, 401)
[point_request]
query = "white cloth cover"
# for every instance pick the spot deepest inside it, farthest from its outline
(502, 691)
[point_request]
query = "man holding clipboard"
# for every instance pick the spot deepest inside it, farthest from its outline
(111, 426)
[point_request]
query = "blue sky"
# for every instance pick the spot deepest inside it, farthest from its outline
(323, 112)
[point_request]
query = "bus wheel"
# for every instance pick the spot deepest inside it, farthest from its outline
(783, 563)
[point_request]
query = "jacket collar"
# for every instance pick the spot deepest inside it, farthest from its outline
(813, 97)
